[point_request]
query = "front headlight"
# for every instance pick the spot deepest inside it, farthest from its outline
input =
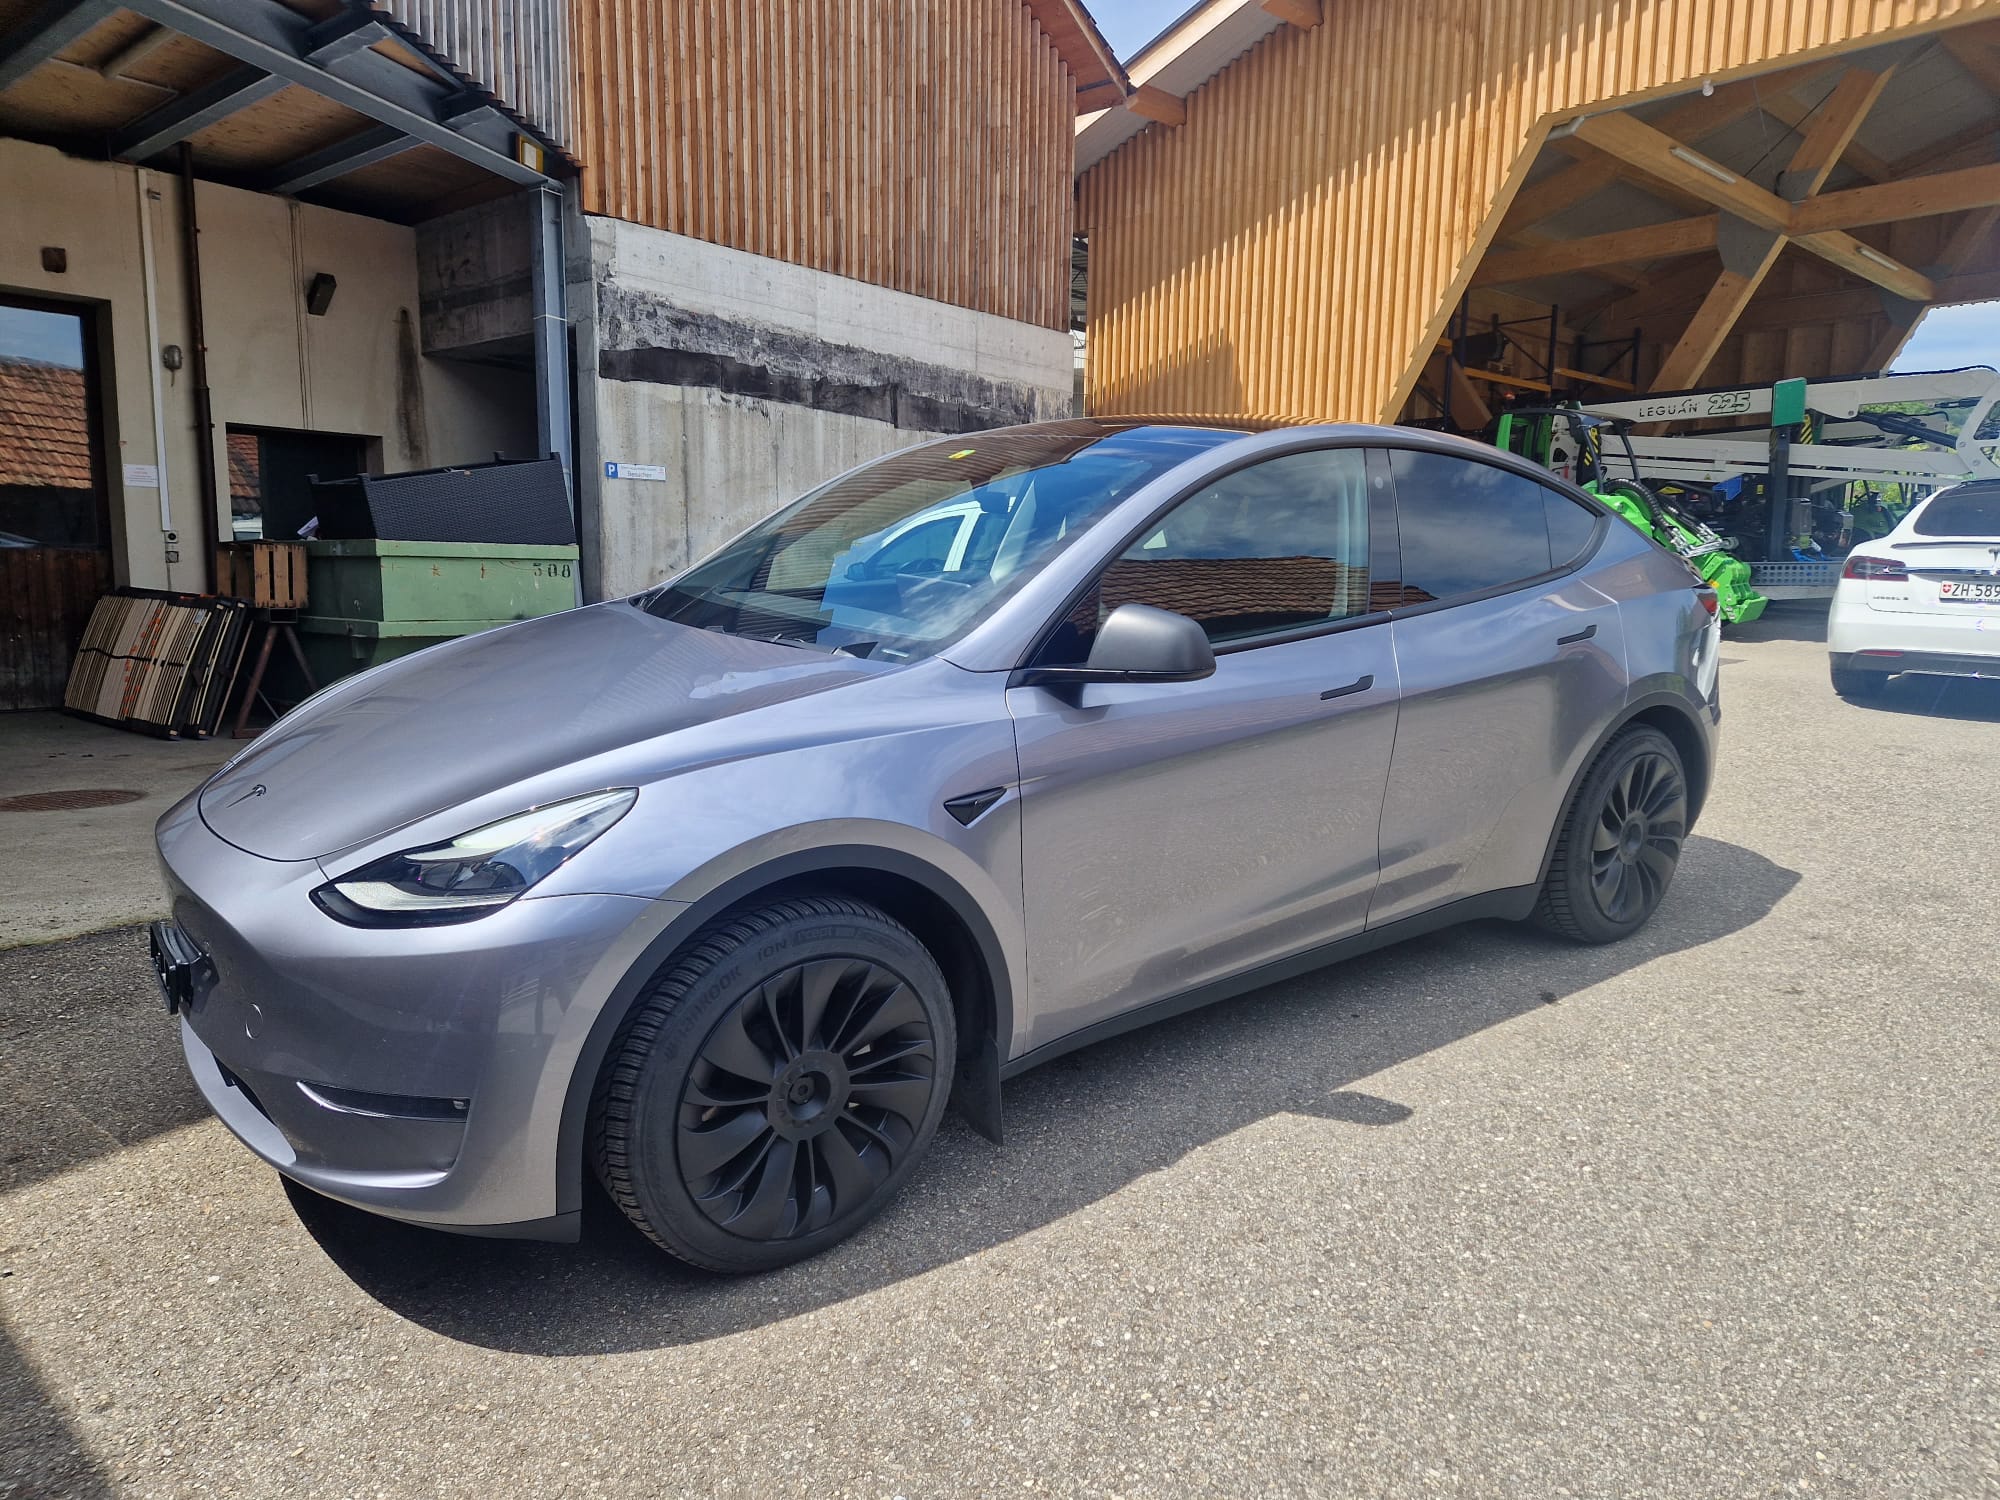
(475, 873)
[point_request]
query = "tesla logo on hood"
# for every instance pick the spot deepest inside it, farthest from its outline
(255, 791)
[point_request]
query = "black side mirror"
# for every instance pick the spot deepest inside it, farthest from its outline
(1136, 643)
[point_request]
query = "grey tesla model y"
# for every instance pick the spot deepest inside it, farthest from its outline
(983, 751)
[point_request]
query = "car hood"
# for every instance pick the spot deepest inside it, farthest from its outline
(469, 717)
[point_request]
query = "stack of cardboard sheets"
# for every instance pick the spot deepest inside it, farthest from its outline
(158, 663)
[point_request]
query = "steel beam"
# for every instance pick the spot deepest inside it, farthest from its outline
(270, 36)
(44, 32)
(338, 39)
(337, 160)
(546, 305)
(192, 113)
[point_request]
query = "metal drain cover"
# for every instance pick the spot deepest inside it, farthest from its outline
(69, 801)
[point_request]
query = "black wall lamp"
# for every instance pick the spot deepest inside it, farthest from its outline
(319, 294)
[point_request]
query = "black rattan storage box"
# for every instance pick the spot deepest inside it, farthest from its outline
(503, 502)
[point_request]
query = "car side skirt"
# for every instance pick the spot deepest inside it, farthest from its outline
(1511, 905)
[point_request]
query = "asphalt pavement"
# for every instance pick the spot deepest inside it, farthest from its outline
(1708, 1213)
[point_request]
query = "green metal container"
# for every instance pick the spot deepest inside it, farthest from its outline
(373, 601)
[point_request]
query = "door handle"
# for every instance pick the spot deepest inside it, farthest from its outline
(1582, 635)
(1359, 685)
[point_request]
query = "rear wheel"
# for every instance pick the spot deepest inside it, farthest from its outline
(1857, 685)
(1621, 842)
(776, 1084)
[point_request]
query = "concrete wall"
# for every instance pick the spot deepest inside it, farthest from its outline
(359, 369)
(750, 380)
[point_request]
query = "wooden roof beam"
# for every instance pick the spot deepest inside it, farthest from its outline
(1637, 142)
(1093, 97)
(1304, 14)
(1640, 145)
(1912, 198)
(1623, 246)
(1157, 105)
(1690, 122)
(1832, 132)
(1747, 256)
(1618, 275)
(1790, 113)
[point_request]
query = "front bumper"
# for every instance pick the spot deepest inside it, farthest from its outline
(417, 1072)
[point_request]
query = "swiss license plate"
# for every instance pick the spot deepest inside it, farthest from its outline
(1965, 590)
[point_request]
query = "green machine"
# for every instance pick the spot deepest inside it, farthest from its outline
(1537, 433)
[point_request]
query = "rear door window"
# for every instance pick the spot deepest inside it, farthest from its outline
(1466, 527)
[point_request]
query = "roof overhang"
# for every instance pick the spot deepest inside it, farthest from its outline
(1193, 49)
(275, 97)
(1081, 46)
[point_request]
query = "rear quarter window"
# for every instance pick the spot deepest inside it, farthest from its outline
(1571, 527)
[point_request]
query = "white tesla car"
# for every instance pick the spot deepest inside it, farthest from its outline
(1924, 598)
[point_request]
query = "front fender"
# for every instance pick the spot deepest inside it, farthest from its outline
(789, 857)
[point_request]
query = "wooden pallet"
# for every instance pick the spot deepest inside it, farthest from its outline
(269, 575)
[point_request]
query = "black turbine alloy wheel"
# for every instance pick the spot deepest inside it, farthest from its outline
(1637, 840)
(1620, 841)
(776, 1082)
(804, 1098)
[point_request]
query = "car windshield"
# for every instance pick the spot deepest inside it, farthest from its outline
(1973, 510)
(899, 559)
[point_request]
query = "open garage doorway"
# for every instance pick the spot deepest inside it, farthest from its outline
(55, 555)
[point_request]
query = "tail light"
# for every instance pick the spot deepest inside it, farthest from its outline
(1859, 566)
(1710, 601)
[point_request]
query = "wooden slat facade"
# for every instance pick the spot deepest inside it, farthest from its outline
(922, 145)
(1296, 246)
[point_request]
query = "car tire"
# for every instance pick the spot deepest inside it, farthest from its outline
(775, 1084)
(1858, 685)
(1620, 842)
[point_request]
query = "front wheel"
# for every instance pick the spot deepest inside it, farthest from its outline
(776, 1084)
(1621, 842)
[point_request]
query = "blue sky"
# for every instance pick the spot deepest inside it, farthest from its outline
(1954, 336)
(52, 338)
(1129, 24)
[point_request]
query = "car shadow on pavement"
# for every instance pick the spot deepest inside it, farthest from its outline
(1975, 700)
(1078, 1130)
